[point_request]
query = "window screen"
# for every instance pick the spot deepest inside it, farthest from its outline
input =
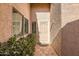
(17, 19)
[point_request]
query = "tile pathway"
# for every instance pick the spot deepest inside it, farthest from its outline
(44, 51)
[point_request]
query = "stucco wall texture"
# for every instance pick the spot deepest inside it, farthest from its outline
(70, 29)
(67, 40)
(6, 18)
(5, 22)
(55, 26)
(55, 20)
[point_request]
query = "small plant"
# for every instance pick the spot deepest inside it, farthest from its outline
(24, 46)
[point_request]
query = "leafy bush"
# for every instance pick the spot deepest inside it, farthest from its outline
(22, 47)
(30, 44)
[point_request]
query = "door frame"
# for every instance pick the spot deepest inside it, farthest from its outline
(48, 28)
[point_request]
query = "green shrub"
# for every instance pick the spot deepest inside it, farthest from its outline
(22, 47)
(31, 44)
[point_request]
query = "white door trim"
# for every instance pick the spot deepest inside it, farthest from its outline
(41, 17)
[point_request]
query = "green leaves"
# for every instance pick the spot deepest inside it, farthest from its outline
(24, 46)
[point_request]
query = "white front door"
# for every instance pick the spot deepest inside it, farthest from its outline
(43, 19)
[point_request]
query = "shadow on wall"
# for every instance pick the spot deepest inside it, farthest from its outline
(70, 39)
(66, 43)
(56, 44)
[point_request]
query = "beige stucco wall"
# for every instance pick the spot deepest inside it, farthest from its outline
(5, 22)
(69, 13)
(55, 21)
(6, 18)
(67, 40)
(55, 26)
(70, 29)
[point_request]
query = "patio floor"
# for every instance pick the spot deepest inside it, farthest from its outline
(44, 51)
